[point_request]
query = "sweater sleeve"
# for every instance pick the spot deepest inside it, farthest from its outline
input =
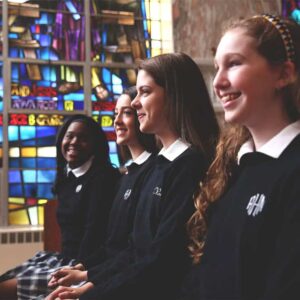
(283, 278)
(98, 199)
(160, 265)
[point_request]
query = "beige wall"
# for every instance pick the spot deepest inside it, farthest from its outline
(197, 26)
(198, 23)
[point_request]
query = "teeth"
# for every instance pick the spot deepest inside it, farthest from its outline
(230, 97)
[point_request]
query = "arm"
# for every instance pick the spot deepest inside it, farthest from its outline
(283, 277)
(161, 264)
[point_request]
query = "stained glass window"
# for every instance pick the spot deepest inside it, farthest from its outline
(56, 67)
(291, 8)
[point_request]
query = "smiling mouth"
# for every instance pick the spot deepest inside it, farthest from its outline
(230, 97)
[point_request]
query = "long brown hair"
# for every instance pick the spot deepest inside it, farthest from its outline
(269, 45)
(188, 105)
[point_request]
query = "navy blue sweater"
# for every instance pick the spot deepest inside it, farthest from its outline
(83, 208)
(252, 250)
(156, 258)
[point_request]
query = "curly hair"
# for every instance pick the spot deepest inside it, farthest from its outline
(270, 45)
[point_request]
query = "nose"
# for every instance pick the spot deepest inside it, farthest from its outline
(221, 80)
(135, 103)
(74, 140)
(117, 119)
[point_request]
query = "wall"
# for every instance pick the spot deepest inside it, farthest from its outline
(198, 23)
(197, 27)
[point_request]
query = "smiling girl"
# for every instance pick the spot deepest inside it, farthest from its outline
(245, 231)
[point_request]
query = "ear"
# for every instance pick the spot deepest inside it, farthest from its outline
(287, 74)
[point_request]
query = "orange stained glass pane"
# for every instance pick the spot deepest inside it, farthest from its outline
(14, 206)
(1, 151)
(28, 152)
(19, 217)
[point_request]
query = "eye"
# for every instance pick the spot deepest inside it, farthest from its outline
(233, 63)
(127, 112)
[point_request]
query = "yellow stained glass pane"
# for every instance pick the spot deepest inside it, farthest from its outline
(46, 152)
(16, 200)
(165, 7)
(28, 152)
(14, 152)
(42, 201)
(19, 217)
(41, 215)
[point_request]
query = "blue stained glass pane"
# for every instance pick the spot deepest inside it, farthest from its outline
(112, 147)
(46, 162)
(43, 19)
(28, 143)
(1, 105)
(45, 40)
(29, 176)
(28, 163)
(42, 131)
(15, 190)
(14, 163)
(14, 176)
(23, 71)
(27, 132)
(13, 52)
(14, 72)
(12, 35)
(114, 159)
(1, 134)
(44, 190)
(30, 190)
(13, 133)
(46, 141)
(78, 105)
(106, 76)
(74, 96)
(46, 176)
(44, 83)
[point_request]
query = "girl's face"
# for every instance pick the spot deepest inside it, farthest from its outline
(124, 123)
(77, 145)
(245, 82)
(150, 105)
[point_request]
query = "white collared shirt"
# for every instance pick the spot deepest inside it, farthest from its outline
(276, 145)
(82, 169)
(175, 149)
(139, 160)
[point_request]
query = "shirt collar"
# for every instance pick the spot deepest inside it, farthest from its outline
(276, 145)
(139, 160)
(174, 150)
(82, 169)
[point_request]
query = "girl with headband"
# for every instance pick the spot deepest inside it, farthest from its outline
(245, 239)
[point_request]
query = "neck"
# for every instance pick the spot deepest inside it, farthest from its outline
(136, 151)
(260, 137)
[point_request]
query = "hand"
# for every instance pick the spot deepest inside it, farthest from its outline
(65, 292)
(67, 277)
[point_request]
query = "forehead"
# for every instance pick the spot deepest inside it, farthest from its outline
(235, 41)
(78, 126)
(123, 100)
(144, 78)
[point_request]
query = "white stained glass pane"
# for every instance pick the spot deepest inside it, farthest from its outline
(167, 12)
(155, 13)
(14, 152)
(46, 151)
(155, 30)
(167, 31)
(33, 215)
(167, 46)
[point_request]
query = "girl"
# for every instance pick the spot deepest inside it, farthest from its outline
(172, 103)
(84, 185)
(136, 150)
(248, 210)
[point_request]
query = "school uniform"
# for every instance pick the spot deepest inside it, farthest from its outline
(156, 256)
(252, 250)
(84, 201)
(122, 211)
